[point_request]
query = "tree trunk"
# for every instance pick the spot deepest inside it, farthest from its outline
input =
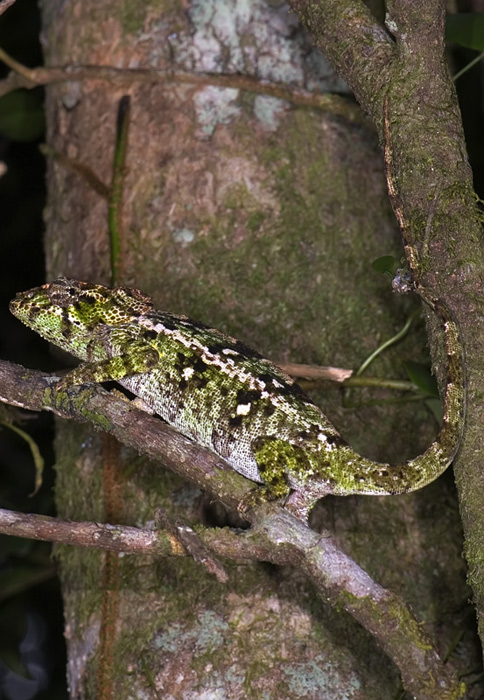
(259, 216)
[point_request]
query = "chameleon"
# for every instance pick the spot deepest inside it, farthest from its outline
(227, 397)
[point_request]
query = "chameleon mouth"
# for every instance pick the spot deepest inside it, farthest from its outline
(15, 305)
(18, 305)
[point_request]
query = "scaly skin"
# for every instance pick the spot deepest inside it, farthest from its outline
(227, 397)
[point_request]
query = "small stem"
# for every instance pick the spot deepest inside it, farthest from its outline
(334, 104)
(467, 67)
(34, 449)
(401, 333)
(117, 183)
(379, 382)
(19, 68)
(79, 168)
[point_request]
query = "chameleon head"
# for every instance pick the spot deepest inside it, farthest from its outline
(65, 311)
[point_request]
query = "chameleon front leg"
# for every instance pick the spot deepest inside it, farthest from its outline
(139, 357)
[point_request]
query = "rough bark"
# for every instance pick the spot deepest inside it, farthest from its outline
(432, 165)
(262, 218)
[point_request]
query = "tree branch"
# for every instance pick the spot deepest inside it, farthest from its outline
(360, 49)
(5, 4)
(148, 435)
(275, 536)
(24, 77)
(434, 182)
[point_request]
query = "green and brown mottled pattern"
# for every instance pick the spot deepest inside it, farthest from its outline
(225, 396)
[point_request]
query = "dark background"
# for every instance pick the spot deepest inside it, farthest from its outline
(32, 650)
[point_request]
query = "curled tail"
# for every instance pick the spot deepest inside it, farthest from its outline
(363, 476)
(358, 475)
(418, 472)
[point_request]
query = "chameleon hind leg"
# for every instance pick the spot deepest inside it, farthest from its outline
(275, 459)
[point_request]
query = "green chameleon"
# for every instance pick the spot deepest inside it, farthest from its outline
(227, 397)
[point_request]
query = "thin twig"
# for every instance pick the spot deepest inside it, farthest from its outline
(316, 372)
(116, 237)
(30, 77)
(5, 4)
(79, 168)
(276, 535)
